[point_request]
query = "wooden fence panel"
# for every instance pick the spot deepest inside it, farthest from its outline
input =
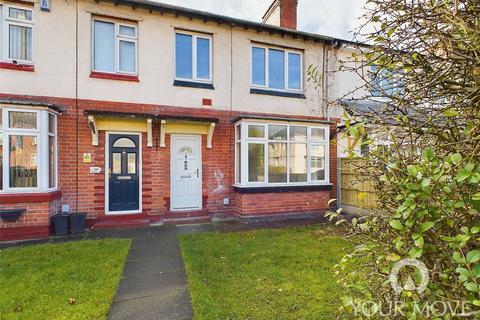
(356, 190)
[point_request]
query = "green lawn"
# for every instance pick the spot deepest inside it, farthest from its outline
(73, 280)
(267, 274)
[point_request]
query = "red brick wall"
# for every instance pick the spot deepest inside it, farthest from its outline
(84, 192)
(281, 203)
(34, 223)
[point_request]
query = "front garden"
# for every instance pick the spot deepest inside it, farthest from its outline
(73, 280)
(265, 274)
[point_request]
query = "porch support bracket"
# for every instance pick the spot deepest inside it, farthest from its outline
(211, 128)
(93, 127)
(163, 125)
(149, 133)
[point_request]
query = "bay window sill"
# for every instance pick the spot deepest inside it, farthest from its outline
(284, 94)
(17, 66)
(114, 76)
(281, 189)
(25, 197)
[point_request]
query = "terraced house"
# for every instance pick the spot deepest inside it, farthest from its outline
(136, 112)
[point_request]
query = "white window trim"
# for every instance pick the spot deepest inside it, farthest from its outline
(55, 136)
(244, 141)
(194, 36)
(41, 133)
(286, 52)
(118, 37)
(5, 36)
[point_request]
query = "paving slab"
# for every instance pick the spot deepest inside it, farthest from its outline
(153, 284)
(153, 307)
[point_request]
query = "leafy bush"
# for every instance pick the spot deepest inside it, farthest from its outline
(428, 178)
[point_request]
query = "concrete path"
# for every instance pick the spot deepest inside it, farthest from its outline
(153, 284)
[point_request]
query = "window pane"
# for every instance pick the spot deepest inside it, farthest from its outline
(183, 56)
(1, 145)
(238, 163)
(104, 46)
(256, 131)
(256, 162)
(298, 162)
(318, 134)
(277, 162)
(317, 165)
(294, 73)
(258, 66)
(238, 132)
(20, 43)
(52, 174)
(203, 58)
(23, 161)
(132, 163)
(124, 143)
(276, 132)
(20, 14)
(127, 56)
(22, 120)
(127, 31)
(51, 123)
(117, 163)
(298, 133)
(276, 69)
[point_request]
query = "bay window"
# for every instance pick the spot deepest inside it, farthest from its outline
(193, 57)
(16, 28)
(114, 47)
(28, 150)
(281, 154)
(276, 69)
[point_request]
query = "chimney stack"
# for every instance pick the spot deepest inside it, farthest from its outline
(282, 13)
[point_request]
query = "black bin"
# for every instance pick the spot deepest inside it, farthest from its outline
(60, 224)
(77, 222)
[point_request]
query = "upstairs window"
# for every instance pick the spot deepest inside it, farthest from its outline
(114, 47)
(281, 154)
(277, 69)
(385, 83)
(193, 57)
(28, 150)
(16, 33)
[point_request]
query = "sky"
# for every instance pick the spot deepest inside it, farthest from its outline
(336, 18)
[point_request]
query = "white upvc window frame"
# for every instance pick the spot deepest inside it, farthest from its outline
(195, 36)
(241, 173)
(286, 53)
(53, 134)
(6, 22)
(41, 134)
(118, 37)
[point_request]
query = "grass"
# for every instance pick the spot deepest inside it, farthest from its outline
(266, 274)
(72, 280)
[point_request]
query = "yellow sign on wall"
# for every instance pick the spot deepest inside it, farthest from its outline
(87, 158)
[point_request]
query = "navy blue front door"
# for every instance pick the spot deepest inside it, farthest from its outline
(123, 172)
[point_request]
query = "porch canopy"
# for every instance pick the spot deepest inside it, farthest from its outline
(142, 122)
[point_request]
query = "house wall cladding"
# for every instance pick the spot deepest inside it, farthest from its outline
(218, 168)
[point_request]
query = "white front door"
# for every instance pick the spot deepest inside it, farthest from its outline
(186, 172)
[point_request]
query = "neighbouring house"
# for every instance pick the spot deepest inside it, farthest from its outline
(137, 112)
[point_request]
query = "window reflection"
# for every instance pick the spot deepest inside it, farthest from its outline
(277, 162)
(117, 163)
(256, 162)
(23, 161)
(132, 163)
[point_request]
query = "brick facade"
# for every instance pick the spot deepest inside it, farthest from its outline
(85, 192)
